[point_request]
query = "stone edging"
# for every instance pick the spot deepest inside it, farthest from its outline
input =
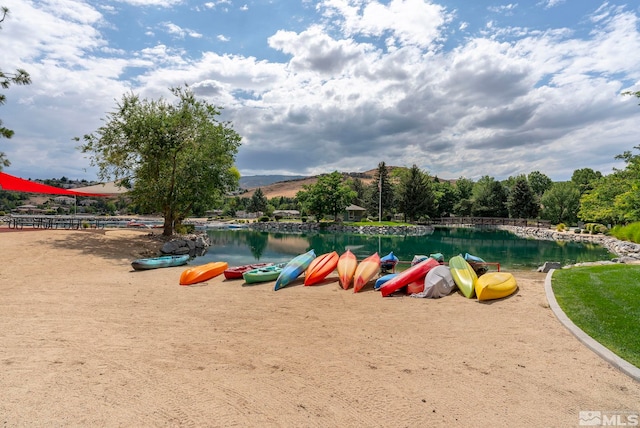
(272, 226)
(604, 353)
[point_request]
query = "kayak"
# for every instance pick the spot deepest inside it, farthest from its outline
(347, 264)
(380, 281)
(463, 275)
(263, 274)
(414, 273)
(294, 269)
(365, 271)
(495, 285)
(202, 273)
(388, 262)
(160, 262)
(237, 271)
(320, 267)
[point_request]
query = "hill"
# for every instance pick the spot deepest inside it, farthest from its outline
(289, 188)
(255, 181)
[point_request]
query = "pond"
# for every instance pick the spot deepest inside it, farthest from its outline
(245, 246)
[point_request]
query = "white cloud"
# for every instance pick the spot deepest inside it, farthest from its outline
(413, 22)
(346, 92)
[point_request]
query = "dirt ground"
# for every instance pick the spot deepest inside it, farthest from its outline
(86, 341)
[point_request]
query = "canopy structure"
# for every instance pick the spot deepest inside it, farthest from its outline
(111, 188)
(9, 182)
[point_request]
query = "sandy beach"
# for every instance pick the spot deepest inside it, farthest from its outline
(86, 341)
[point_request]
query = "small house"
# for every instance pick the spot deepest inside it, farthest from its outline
(354, 213)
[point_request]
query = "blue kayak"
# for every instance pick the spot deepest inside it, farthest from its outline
(294, 269)
(160, 262)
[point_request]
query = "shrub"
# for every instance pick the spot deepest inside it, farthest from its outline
(264, 219)
(304, 219)
(577, 231)
(561, 227)
(184, 229)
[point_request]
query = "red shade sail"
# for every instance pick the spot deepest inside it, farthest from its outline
(9, 182)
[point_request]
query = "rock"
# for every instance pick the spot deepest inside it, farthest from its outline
(194, 245)
(548, 266)
(171, 247)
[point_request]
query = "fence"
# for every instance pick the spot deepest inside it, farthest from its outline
(490, 221)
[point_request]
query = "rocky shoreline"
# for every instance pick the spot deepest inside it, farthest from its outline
(627, 252)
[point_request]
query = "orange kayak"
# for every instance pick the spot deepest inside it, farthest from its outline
(202, 273)
(365, 271)
(347, 264)
(320, 267)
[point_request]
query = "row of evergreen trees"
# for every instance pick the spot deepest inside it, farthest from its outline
(416, 195)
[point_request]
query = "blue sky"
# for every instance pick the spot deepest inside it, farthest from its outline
(455, 87)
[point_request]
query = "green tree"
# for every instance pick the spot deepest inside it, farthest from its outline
(561, 203)
(539, 183)
(19, 77)
(446, 198)
(415, 194)
(329, 195)
(381, 191)
(615, 198)
(464, 193)
(489, 198)
(585, 179)
(361, 194)
(258, 202)
(602, 203)
(522, 202)
(172, 156)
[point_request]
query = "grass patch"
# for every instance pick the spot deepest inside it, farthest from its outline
(604, 301)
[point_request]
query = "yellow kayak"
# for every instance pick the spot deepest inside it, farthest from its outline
(495, 285)
(463, 275)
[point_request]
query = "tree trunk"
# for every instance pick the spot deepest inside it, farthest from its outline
(168, 223)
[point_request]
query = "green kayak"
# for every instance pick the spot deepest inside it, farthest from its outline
(263, 274)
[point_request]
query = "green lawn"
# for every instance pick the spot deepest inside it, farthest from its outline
(604, 301)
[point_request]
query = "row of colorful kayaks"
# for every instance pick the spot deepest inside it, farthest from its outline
(426, 277)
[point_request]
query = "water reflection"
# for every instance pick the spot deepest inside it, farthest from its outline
(246, 246)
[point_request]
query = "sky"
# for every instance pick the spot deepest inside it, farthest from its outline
(457, 88)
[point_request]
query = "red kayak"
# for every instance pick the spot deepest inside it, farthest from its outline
(237, 271)
(413, 274)
(320, 267)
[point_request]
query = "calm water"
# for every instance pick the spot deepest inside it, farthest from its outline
(244, 246)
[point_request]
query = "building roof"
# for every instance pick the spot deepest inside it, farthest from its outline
(355, 208)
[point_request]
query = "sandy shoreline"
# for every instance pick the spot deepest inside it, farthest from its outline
(85, 341)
